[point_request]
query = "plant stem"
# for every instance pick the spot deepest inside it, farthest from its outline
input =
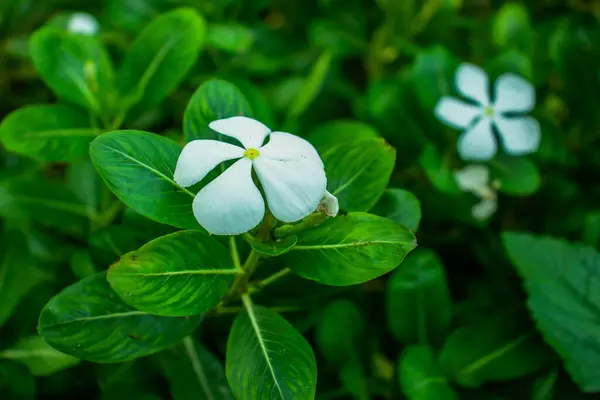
(235, 255)
(311, 221)
(258, 286)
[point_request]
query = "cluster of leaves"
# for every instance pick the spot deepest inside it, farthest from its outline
(103, 261)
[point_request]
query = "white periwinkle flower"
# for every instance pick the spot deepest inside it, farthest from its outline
(83, 23)
(476, 179)
(519, 134)
(288, 167)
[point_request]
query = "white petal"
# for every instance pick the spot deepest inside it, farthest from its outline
(285, 146)
(456, 113)
(520, 135)
(329, 204)
(199, 157)
(472, 82)
(231, 204)
(472, 177)
(514, 94)
(478, 143)
(250, 132)
(484, 209)
(293, 188)
(83, 23)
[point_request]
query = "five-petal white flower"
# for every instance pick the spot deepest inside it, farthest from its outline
(513, 95)
(288, 167)
(476, 179)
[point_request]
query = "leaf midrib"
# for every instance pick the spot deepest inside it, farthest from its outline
(19, 354)
(151, 169)
(250, 310)
(343, 245)
(97, 317)
(190, 349)
(353, 178)
(187, 272)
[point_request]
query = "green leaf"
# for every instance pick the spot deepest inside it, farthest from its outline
(82, 264)
(267, 358)
(48, 203)
(194, 373)
(493, 349)
(340, 331)
(516, 175)
(38, 356)
(274, 248)
(215, 99)
(233, 38)
(420, 376)
(350, 249)
(560, 279)
(160, 57)
(83, 180)
(16, 382)
(48, 133)
(89, 321)
(418, 303)
(138, 168)
(511, 27)
(401, 206)
(433, 75)
(333, 133)
(311, 86)
(19, 274)
(359, 172)
(76, 67)
(438, 171)
(184, 273)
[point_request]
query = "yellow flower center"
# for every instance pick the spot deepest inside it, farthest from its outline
(488, 111)
(251, 154)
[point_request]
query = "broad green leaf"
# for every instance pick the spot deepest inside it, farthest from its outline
(433, 75)
(160, 57)
(19, 274)
(355, 379)
(48, 133)
(274, 248)
(76, 67)
(83, 180)
(359, 172)
(48, 203)
(81, 264)
(438, 171)
(215, 99)
(418, 304)
(132, 16)
(420, 376)
(511, 27)
(184, 273)
(350, 249)
(561, 280)
(340, 331)
(336, 132)
(16, 382)
(510, 61)
(516, 175)
(311, 86)
(138, 168)
(591, 229)
(233, 38)
(194, 373)
(267, 358)
(89, 321)
(493, 349)
(401, 206)
(38, 356)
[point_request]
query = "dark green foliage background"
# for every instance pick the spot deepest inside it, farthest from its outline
(478, 311)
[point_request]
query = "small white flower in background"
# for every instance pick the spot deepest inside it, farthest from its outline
(83, 23)
(519, 134)
(288, 168)
(329, 205)
(476, 179)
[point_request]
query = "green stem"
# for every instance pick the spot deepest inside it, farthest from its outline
(235, 255)
(258, 286)
(311, 221)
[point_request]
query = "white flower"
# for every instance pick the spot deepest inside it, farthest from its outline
(83, 23)
(288, 167)
(519, 134)
(476, 179)
(329, 205)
